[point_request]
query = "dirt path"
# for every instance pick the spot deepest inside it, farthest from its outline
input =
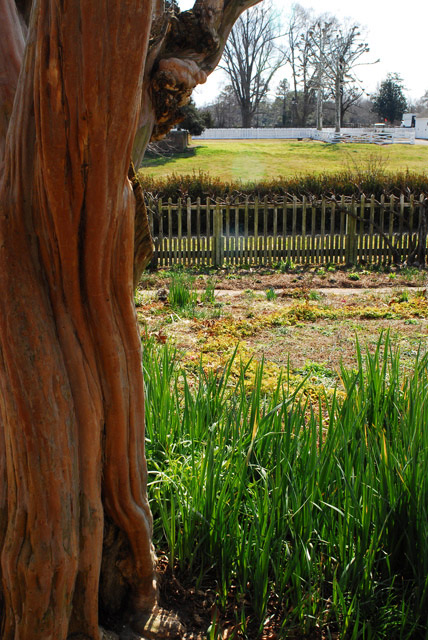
(325, 291)
(320, 278)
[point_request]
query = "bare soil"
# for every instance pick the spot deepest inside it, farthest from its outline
(241, 298)
(261, 279)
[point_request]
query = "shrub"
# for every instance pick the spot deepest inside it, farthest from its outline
(350, 182)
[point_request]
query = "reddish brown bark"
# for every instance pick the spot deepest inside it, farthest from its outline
(11, 52)
(72, 370)
(75, 527)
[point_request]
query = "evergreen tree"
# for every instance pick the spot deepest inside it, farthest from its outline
(389, 102)
(193, 119)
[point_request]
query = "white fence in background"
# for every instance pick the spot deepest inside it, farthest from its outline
(391, 135)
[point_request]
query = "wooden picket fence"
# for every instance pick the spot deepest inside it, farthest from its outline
(300, 231)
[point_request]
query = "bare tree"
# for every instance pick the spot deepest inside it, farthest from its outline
(304, 73)
(86, 86)
(252, 57)
(318, 39)
(420, 104)
(225, 110)
(282, 92)
(337, 50)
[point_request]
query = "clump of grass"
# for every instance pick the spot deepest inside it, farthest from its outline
(182, 294)
(403, 296)
(271, 294)
(208, 295)
(286, 265)
(318, 369)
(249, 294)
(317, 517)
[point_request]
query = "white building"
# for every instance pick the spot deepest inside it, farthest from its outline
(408, 120)
(421, 125)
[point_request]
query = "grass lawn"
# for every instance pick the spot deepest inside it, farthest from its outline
(252, 160)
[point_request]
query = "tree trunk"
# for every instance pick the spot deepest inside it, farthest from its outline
(337, 101)
(75, 523)
(71, 379)
(247, 116)
(143, 245)
(11, 51)
(319, 109)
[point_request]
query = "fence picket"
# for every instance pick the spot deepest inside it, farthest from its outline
(302, 256)
(265, 229)
(208, 251)
(170, 230)
(227, 250)
(284, 231)
(293, 231)
(256, 229)
(341, 244)
(331, 254)
(189, 252)
(198, 231)
(246, 227)
(237, 252)
(391, 224)
(400, 228)
(313, 234)
(180, 229)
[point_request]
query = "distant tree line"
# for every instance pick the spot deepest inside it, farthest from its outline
(280, 111)
(318, 57)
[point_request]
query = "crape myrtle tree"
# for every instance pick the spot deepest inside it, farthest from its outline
(83, 87)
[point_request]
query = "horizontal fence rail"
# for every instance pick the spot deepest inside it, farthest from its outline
(300, 231)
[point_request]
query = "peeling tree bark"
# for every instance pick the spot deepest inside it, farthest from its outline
(75, 527)
(73, 413)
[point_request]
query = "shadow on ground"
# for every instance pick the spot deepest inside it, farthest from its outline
(153, 159)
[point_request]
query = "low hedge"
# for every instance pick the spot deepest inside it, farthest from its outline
(347, 183)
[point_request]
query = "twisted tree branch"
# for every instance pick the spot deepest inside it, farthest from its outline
(192, 47)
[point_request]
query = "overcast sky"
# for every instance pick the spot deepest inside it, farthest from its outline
(397, 33)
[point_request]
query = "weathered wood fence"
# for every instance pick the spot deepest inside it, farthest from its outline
(300, 231)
